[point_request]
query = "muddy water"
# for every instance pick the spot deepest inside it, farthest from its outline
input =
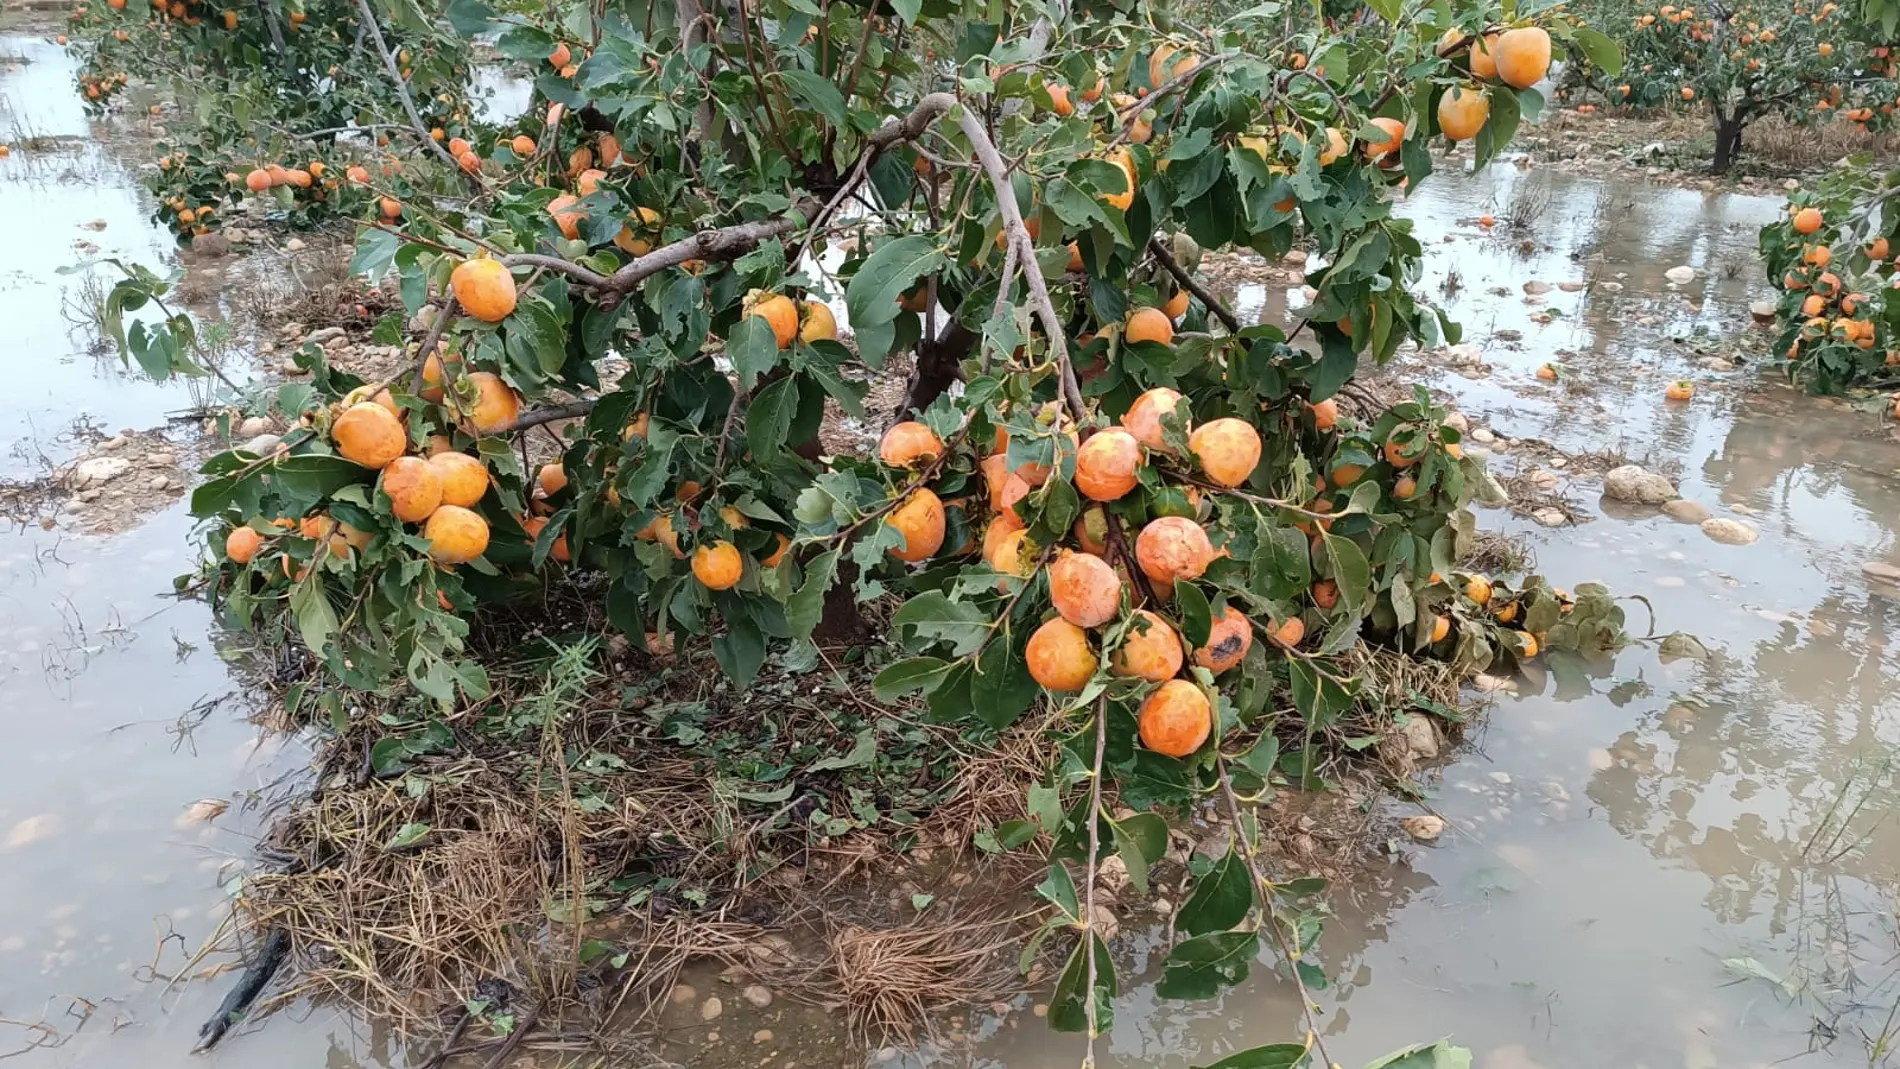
(1653, 862)
(1619, 832)
(118, 711)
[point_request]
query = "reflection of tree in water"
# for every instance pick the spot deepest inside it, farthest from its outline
(1739, 788)
(1786, 448)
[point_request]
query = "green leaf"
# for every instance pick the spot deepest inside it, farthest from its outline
(804, 609)
(1003, 689)
(1319, 697)
(1141, 840)
(816, 91)
(1599, 50)
(407, 835)
(768, 421)
(1058, 889)
(375, 252)
(871, 298)
(1351, 573)
(863, 752)
(1272, 1056)
(1439, 1055)
(1201, 967)
(936, 618)
(1197, 619)
(740, 649)
(753, 349)
(316, 619)
(912, 673)
(1220, 900)
(1067, 1011)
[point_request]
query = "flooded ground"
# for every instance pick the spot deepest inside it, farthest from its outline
(1648, 864)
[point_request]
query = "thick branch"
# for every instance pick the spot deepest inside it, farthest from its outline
(1018, 235)
(402, 87)
(1166, 260)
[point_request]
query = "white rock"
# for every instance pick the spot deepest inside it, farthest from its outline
(1543, 480)
(1610, 287)
(1881, 570)
(1423, 827)
(1550, 517)
(1295, 258)
(1570, 287)
(1680, 275)
(1421, 738)
(290, 367)
(252, 426)
(95, 471)
(1729, 532)
(759, 995)
(324, 335)
(711, 1008)
(1762, 310)
(159, 482)
(262, 445)
(1464, 354)
(1683, 510)
(113, 444)
(1536, 288)
(1458, 421)
(294, 245)
(1637, 486)
(1482, 435)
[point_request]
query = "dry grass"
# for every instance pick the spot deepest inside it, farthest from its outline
(1801, 148)
(893, 980)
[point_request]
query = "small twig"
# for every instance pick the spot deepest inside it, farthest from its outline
(402, 86)
(1133, 111)
(739, 397)
(1166, 260)
(550, 414)
(1088, 887)
(430, 341)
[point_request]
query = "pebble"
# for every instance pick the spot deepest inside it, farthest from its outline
(1550, 517)
(759, 995)
(294, 245)
(711, 1008)
(1570, 287)
(683, 994)
(289, 367)
(1680, 275)
(94, 471)
(159, 482)
(763, 1035)
(1502, 778)
(113, 444)
(1729, 532)
(1482, 435)
(1535, 288)
(252, 426)
(1458, 421)
(1421, 739)
(1424, 827)
(261, 445)
(1543, 480)
(1610, 287)
(1637, 486)
(1683, 510)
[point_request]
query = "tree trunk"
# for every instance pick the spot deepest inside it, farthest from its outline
(939, 363)
(1728, 141)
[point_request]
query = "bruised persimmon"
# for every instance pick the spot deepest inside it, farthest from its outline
(1084, 589)
(1059, 656)
(1150, 650)
(909, 444)
(1172, 548)
(920, 520)
(1228, 641)
(1176, 719)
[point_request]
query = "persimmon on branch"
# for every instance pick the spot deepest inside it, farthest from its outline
(1162, 256)
(402, 86)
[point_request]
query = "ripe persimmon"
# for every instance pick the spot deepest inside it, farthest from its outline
(780, 314)
(1059, 656)
(1150, 650)
(1227, 642)
(1105, 465)
(413, 487)
(1143, 419)
(367, 434)
(456, 535)
(484, 288)
(1085, 590)
(242, 544)
(718, 565)
(1679, 390)
(1325, 414)
(1394, 135)
(1149, 324)
(820, 324)
(1523, 56)
(920, 520)
(1176, 719)
(496, 405)
(1462, 112)
(1483, 56)
(463, 478)
(909, 444)
(552, 478)
(1172, 548)
(1807, 221)
(1228, 449)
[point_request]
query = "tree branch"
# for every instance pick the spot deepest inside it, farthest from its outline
(402, 87)
(550, 414)
(1166, 260)
(1018, 235)
(1088, 886)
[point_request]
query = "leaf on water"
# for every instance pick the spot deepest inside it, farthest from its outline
(1201, 967)
(1220, 900)
(1751, 969)
(1272, 1056)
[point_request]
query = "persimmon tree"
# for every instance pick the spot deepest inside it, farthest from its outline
(1106, 497)
(1831, 254)
(1806, 63)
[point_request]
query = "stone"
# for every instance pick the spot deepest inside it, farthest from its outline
(1610, 287)
(211, 245)
(1535, 288)
(1638, 486)
(290, 368)
(684, 994)
(262, 445)
(1763, 311)
(290, 330)
(113, 444)
(1421, 739)
(1458, 421)
(1295, 258)
(1716, 363)
(324, 336)
(763, 1035)
(758, 994)
(1542, 479)
(159, 482)
(95, 471)
(252, 426)
(1881, 570)
(294, 245)
(1681, 276)
(1105, 923)
(1683, 510)
(1559, 462)
(710, 1009)
(1729, 532)
(1550, 517)
(1482, 435)
(1570, 287)
(160, 460)
(1424, 827)
(1113, 874)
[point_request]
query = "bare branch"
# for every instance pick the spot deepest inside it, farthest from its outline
(402, 86)
(550, 414)
(1166, 260)
(1088, 887)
